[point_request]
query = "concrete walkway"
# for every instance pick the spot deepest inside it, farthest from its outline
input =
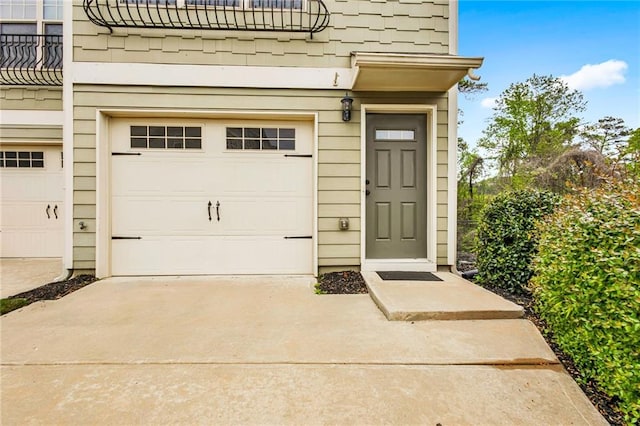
(269, 351)
(18, 275)
(453, 298)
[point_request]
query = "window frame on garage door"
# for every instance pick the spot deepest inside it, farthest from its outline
(105, 119)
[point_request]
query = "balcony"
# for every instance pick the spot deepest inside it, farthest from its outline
(298, 16)
(32, 60)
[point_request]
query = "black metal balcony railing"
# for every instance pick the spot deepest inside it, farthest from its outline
(31, 59)
(302, 16)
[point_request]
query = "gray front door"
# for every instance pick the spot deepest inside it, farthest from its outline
(396, 207)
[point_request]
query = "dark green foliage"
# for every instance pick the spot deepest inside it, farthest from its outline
(631, 154)
(587, 286)
(505, 242)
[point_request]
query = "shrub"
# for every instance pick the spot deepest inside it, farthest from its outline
(587, 286)
(505, 242)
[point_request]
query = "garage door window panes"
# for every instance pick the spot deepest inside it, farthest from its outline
(166, 137)
(22, 159)
(261, 138)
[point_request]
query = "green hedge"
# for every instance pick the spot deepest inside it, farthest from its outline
(505, 241)
(587, 286)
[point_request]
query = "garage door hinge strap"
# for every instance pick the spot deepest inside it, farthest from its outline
(299, 155)
(126, 153)
(302, 237)
(126, 238)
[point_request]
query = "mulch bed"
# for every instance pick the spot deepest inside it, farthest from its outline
(346, 282)
(55, 290)
(606, 405)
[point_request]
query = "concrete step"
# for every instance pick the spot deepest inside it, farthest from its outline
(453, 298)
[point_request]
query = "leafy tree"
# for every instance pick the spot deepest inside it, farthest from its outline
(606, 136)
(631, 153)
(470, 167)
(533, 122)
(470, 201)
(470, 164)
(470, 87)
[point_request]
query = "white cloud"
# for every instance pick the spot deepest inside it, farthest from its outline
(489, 102)
(591, 76)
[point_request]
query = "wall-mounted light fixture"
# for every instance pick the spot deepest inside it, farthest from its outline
(347, 103)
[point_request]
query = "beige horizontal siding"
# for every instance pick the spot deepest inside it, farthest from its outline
(415, 26)
(30, 134)
(337, 265)
(331, 224)
(339, 156)
(31, 98)
(327, 183)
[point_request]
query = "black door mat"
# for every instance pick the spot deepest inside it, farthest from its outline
(407, 276)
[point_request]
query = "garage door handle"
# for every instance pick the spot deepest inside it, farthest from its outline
(209, 210)
(55, 211)
(218, 210)
(47, 210)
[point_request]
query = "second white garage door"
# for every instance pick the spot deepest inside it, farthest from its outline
(214, 197)
(31, 194)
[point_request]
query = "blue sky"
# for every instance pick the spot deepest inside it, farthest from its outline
(594, 44)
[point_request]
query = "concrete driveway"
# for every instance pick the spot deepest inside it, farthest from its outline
(269, 351)
(18, 275)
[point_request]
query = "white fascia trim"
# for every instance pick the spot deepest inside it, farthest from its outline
(452, 178)
(429, 264)
(453, 27)
(31, 117)
(67, 132)
(103, 195)
(316, 150)
(363, 184)
(211, 76)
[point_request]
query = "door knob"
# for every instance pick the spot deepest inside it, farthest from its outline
(367, 182)
(367, 192)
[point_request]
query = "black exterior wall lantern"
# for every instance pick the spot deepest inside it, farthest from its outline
(347, 104)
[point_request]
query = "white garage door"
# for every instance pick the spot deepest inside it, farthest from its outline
(213, 197)
(31, 201)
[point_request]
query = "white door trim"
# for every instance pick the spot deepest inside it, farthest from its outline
(430, 263)
(103, 167)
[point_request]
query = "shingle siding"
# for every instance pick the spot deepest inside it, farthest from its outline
(31, 98)
(356, 25)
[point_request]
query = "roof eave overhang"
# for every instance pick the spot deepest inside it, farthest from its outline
(393, 72)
